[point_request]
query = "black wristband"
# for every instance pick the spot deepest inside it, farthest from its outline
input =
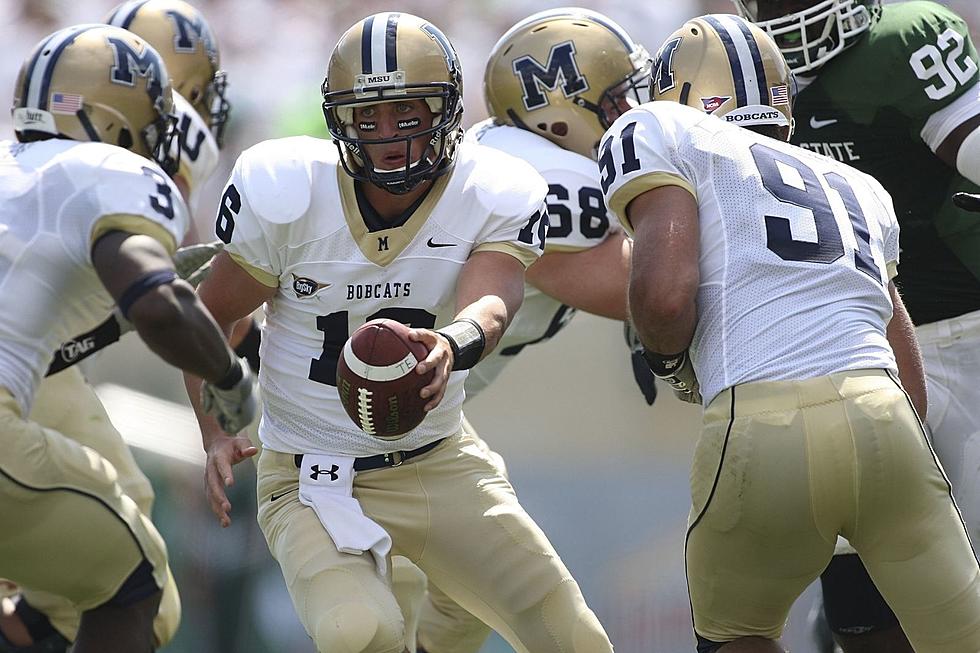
(664, 365)
(233, 376)
(467, 340)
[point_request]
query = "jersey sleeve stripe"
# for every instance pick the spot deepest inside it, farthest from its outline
(133, 224)
(636, 187)
(264, 277)
(522, 254)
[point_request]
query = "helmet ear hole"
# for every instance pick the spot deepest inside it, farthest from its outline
(125, 139)
(559, 128)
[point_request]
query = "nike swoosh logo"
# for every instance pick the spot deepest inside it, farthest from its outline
(430, 243)
(276, 497)
(817, 124)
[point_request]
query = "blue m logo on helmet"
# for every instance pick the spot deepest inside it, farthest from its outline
(129, 62)
(561, 69)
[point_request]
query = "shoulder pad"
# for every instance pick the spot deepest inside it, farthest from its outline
(277, 175)
(505, 184)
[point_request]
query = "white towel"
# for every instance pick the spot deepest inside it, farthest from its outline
(326, 484)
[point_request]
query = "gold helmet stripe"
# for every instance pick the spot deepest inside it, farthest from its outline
(124, 15)
(44, 63)
(745, 59)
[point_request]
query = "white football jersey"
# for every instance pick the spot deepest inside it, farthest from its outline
(796, 249)
(291, 218)
(199, 150)
(577, 220)
(56, 198)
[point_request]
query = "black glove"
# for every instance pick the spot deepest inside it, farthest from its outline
(967, 201)
(678, 372)
(641, 370)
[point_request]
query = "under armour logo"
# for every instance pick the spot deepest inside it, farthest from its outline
(317, 471)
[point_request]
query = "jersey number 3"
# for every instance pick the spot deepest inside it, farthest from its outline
(829, 245)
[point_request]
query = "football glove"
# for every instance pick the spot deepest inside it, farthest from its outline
(193, 263)
(678, 372)
(642, 373)
(235, 406)
(967, 201)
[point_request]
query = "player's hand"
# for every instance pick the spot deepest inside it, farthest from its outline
(193, 263)
(967, 201)
(641, 370)
(234, 407)
(440, 359)
(225, 452)
(678, 372)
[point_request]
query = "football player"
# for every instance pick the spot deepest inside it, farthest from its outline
(85, 226)
(64, 400)
(762, 280)
(399, 219)
(893, 91)
(553, 84)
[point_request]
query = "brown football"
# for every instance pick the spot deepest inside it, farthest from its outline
(377, 381)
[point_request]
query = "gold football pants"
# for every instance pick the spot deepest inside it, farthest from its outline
(66, 403)
(454, 515)
(783, 467)
(68, 528)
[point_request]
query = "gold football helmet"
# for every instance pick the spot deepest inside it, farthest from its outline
(811, 36)
(727, 67)
(97, 83)
(562, 73)
(182, 36)
(389, 57)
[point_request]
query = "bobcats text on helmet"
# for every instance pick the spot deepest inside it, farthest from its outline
(564, 74)
(184, 39)
(390, 57)
(811, 37)
(729, 68)
(97, 83)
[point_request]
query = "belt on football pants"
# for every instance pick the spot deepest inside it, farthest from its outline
(393, 459)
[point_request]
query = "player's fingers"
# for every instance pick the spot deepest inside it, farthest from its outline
(244, 449)
(437, 389)
(217, 499)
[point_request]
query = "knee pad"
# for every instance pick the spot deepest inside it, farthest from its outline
(356, 628)
(852, 603)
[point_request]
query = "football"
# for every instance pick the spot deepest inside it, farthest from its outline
(377, 381)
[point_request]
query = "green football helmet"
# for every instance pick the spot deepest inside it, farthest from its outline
(808, 33)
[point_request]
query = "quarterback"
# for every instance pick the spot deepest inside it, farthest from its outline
(65, 401)
(762, 280)
(312, 229)
(892, 90)
(554, 83)
(86, 226)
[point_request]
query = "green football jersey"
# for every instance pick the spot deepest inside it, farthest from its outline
(867, 107)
